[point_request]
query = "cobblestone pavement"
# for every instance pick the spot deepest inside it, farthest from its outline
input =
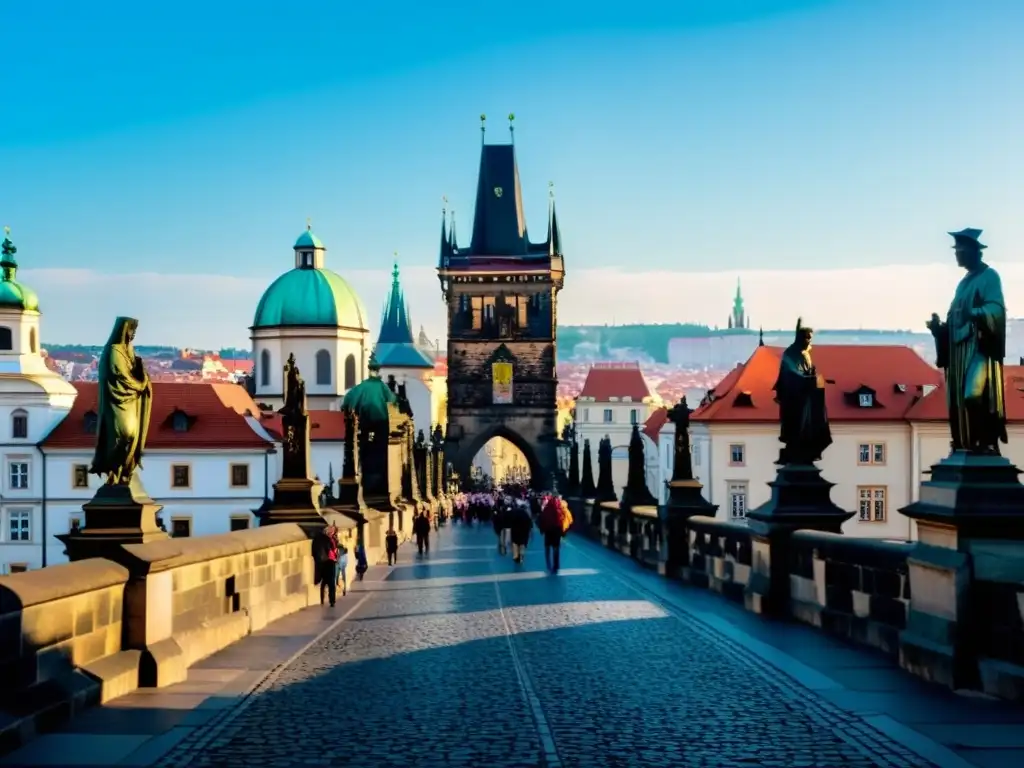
(462, 660)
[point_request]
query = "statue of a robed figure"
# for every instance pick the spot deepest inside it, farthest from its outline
(800, 393)
(297, 494)
(970, 346)
(121, 512)
(125, 404)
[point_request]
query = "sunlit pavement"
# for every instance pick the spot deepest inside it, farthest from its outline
(461, 658)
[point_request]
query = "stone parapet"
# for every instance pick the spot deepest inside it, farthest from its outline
(719, 556)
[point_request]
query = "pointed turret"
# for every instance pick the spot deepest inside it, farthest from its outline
(446, 243)
(395, 345)
(554, 233)
(738, 318)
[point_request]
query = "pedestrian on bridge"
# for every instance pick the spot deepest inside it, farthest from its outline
(520, 526)
(500, 521)
(325, 553)
(421, 529)
(555, 520)
(343, 569)
(391, 546)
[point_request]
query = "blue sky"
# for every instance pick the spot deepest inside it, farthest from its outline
(162, 162)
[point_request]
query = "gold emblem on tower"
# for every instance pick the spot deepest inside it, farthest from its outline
(498, 191)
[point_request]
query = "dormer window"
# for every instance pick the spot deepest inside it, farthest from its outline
(180, 421)
(90, 422)
(866, 399)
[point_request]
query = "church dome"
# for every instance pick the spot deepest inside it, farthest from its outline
(14, 295)
(310, 294)
(369, 399)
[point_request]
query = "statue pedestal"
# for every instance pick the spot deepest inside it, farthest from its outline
(296, 500)
(801, 500)
(116, 515)
(685, 500)
(963, 627)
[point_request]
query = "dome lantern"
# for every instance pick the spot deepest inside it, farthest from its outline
(14, 295)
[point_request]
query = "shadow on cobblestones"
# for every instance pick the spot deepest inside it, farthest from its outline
(432, 669)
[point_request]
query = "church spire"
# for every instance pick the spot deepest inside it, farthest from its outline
(554, 233)
(394, 325)
(446, 250)
(738, 319)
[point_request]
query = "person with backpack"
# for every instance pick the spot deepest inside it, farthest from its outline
(555, 520)
(325, 553)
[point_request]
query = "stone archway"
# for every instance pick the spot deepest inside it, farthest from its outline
(467, 454)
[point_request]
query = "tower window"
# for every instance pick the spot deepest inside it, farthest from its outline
(265, 368)
(323, 367)
(6, 339)
(33, 341)
(350, 371)
(19, 425)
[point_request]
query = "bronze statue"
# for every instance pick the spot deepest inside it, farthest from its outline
(294, 394)
(125, 403)
(800, 393)
(679, 415)
(970, 347)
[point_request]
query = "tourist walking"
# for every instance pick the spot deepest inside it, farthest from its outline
(325, 553)
(361, 564)
(391, 546)
(500, 521)
(555, 520)
(421, 530)
(520, 526)
(343, 569)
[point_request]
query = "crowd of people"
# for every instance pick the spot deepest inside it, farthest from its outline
(513, 512)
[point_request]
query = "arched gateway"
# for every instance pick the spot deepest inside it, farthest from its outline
(501, 294)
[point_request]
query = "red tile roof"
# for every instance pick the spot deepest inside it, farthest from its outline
(620, 380)
(652, 427)
(932, 407)
(218, 413)
(326, 426)
(897, 375)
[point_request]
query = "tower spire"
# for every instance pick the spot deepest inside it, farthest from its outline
(554, 234)
(445, 251)
(760, 336)
(8, 263)
(512, 126)
(483, 129)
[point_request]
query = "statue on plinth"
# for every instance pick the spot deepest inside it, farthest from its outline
(605, 482)
(636, 493)
(125, 405)
(970, 346)
(682, 465)
(294, 424)
(800, 393)
(588, 489)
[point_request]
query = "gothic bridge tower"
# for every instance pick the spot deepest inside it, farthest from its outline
(502, 292)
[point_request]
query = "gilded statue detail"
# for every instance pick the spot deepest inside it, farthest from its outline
(125, 404)
(800, 393)
(970, 346)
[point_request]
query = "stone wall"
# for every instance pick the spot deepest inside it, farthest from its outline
(718, 556)
(75, 634)
(60, 645)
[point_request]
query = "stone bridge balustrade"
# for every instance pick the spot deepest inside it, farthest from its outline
(719, 556)
(857, 588)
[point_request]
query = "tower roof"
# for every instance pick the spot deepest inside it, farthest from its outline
(499, 220)
(395, 345)
(13, 295)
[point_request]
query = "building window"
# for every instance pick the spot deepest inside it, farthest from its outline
(866, 399)
(607, 415)
(19, 525)
(19, 425)
(634, 416)
(265, 368)
(80, 476)
(74, 522)
(18, 475)
(181, 527)
(350, 372)
(6, 338)
(738, 501)
(323, 367)
(181, 476)
(871, 503)
(737, 455)
(239, 522)
(90, 423)
(695, 452)
(586, 415)
(13, 568)
(239, 475)
(33, 341)
(871, 453)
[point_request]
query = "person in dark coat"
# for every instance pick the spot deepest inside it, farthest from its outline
(325, 553)
(421, 529)
(500, 522)
(520, 525)
(391, 546)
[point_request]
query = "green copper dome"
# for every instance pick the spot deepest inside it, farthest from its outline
(369, 399)
(14, 295)
(310, 297)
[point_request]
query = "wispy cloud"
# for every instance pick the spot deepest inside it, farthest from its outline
(210, 310)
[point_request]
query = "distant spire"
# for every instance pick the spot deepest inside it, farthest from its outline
(554, 234)
(452, 238)
(446, 251)
(483, 128)
(760, 337)
(309, 224)
(395, 327)
(512, 126)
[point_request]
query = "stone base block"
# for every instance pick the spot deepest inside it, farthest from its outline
(162, 664)
(1002, 679)
(117, 674)
(115, 516)
(45, 707)
(929, 660)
